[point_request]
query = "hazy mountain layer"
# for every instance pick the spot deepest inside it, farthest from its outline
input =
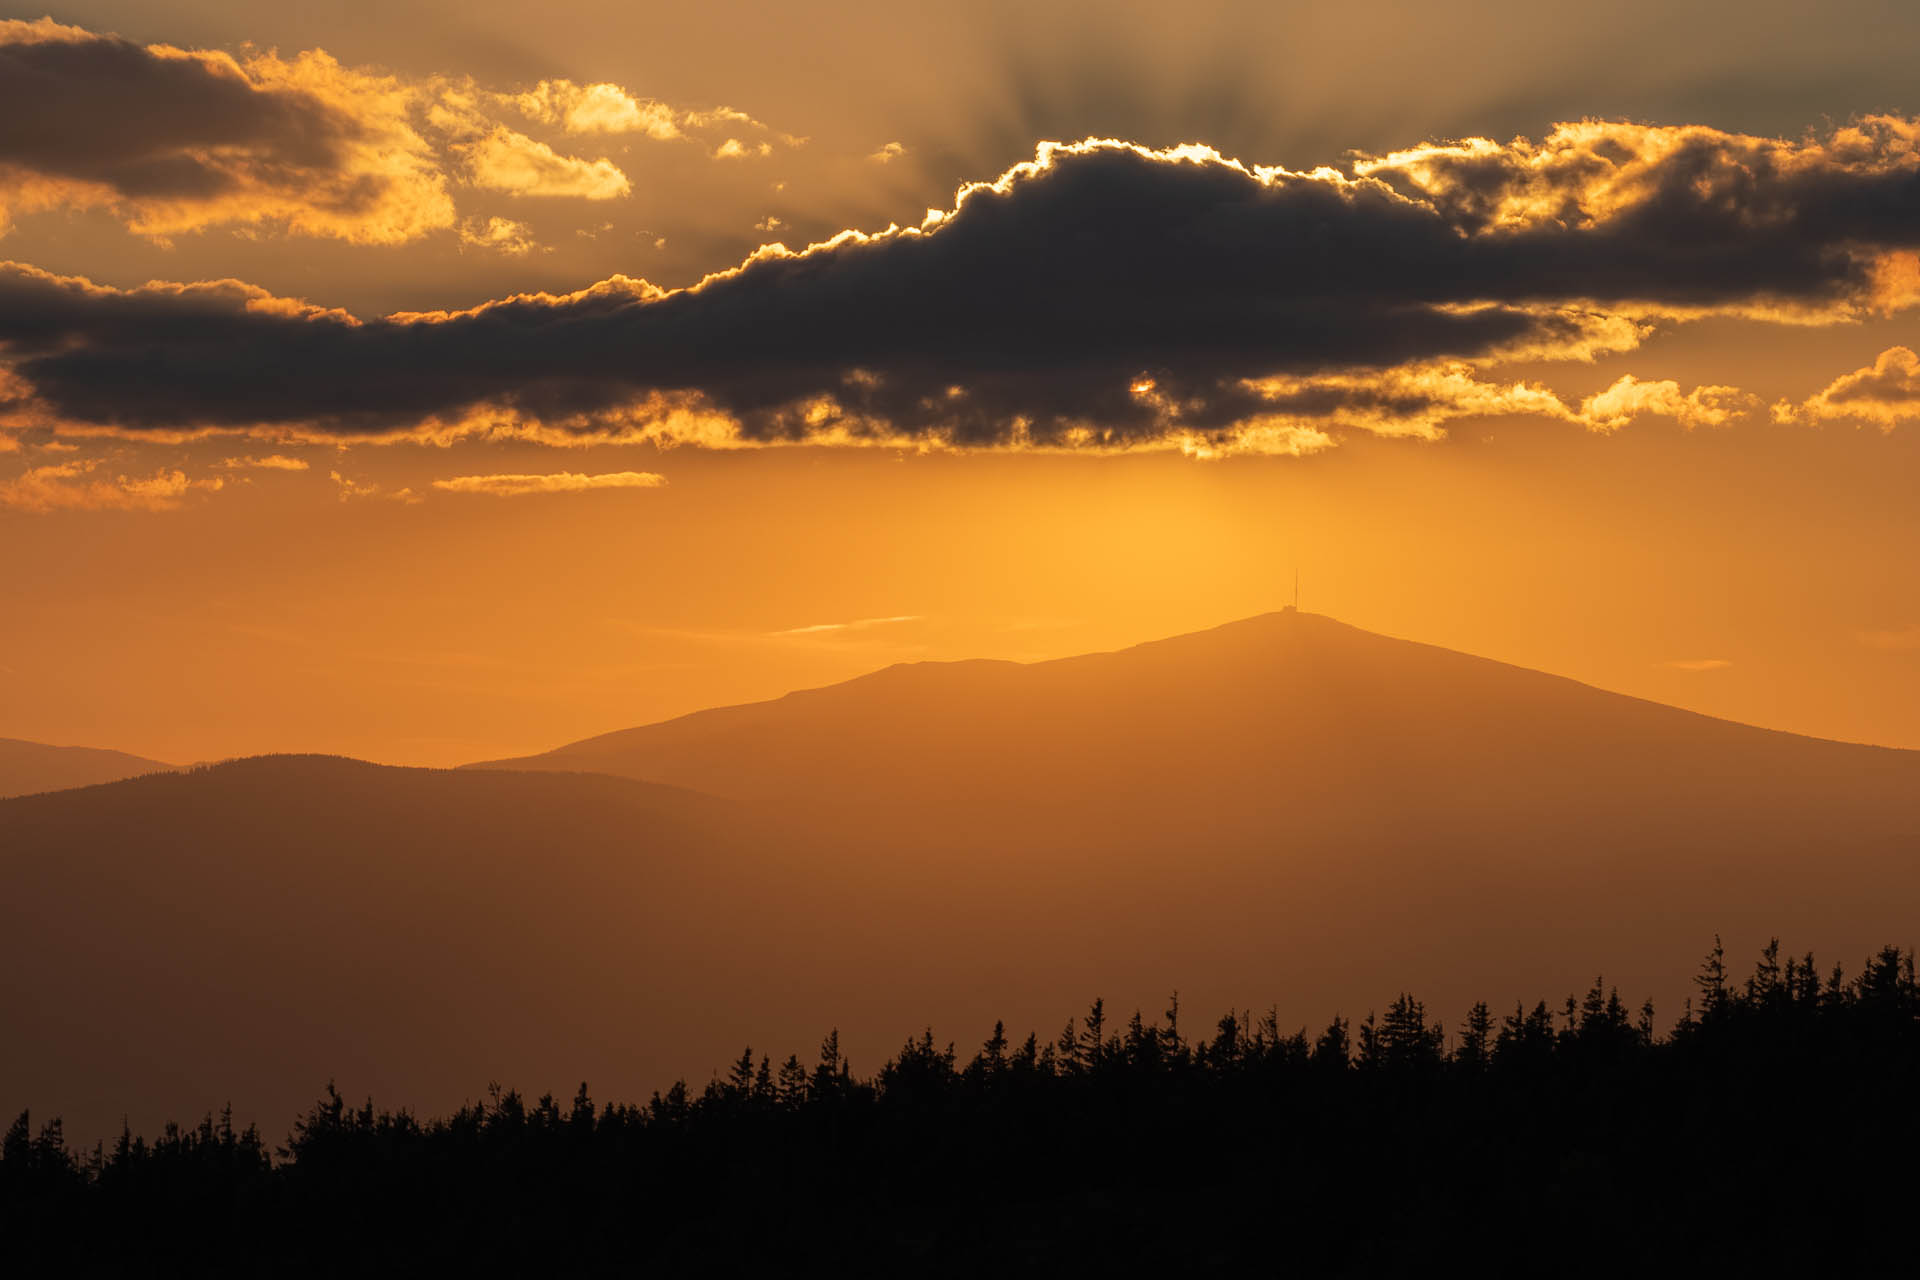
(1282, 811)
(29, 767)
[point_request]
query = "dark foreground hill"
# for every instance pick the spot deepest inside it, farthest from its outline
(1770, 1134)
(29, 767)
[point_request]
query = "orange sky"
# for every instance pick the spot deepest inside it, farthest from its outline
(1711, 534)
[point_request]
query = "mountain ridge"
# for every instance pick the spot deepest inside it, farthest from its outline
(598, 751)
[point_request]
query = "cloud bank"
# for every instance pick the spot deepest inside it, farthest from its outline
(1102, 295)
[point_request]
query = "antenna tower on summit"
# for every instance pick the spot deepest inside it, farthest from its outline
(1295, 606)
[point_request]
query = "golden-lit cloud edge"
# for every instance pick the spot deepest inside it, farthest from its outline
(1884, 394)
(1191, 316)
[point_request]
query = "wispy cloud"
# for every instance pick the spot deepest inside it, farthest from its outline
(271, 462)
(82, 486)
(608, 108)
(1698, 664)
(511, 486)
(1893, 639)
(352, 490)
(857, 624)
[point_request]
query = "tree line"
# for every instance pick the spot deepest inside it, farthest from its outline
(1774, 1122)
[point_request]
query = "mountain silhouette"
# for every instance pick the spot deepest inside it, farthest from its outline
(29, 767)
(1294, 796)
(1283, 811)
(1283, 730)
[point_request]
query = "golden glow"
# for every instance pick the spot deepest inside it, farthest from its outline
(1557, 502)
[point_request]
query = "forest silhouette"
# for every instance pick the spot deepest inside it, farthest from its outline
(1771, 1126)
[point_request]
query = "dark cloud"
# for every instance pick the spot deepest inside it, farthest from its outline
(178, 140)
(1103, 293)
(102, 109)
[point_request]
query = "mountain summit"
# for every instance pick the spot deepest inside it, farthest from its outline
(1270, 729)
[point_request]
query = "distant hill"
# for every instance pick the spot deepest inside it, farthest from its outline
(249, 929)
(28, 767)
(1284, 811)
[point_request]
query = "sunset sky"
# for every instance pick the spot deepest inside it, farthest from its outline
(433, 382)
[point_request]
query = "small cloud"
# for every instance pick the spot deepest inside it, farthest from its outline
(1892, 639)
(1698, 664)
(510, 486)
(734, 149)
(1886, 394)
(596, 108)
(502, 235)
(858, 624)
(769, 224)
(503, 160)
(351, 490)
(1629, 398)
(888, 154)
(607, 108)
